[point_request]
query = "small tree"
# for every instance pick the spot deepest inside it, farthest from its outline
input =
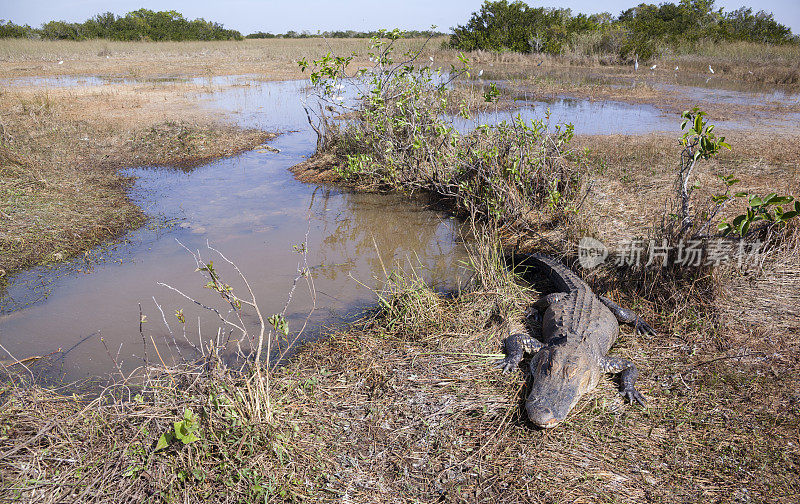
(699, 143)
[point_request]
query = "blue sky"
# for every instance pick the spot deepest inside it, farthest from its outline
(278, 16)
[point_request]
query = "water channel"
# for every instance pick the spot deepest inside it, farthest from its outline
(251, 208)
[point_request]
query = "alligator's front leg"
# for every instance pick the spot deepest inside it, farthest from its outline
(627, 378)
(516, 346)
(628, 316)
(543, 303)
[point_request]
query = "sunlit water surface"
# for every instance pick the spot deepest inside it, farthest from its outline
(251, 209)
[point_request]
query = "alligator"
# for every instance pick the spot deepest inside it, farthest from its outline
(578, 329)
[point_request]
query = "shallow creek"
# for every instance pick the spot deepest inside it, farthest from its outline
(251, 209)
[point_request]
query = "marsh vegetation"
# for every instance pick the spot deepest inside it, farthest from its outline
(404, 404)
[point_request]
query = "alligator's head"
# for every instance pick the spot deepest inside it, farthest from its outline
(560, 377)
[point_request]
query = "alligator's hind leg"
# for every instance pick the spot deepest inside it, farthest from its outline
(628, 316)
(628, 377)
(516, 346)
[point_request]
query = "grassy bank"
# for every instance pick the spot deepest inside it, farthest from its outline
(721, 327)
(61, 192)
(406, 406)
(746, 62)
(273, 59)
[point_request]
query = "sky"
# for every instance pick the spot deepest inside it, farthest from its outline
(279, 16)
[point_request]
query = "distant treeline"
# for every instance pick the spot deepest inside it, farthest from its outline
(142, 24)
(638, 31)
(145, 24)
(342, 34)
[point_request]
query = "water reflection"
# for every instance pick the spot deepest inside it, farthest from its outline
(253, 210)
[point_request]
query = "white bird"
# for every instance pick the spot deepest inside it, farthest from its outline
(430, 58)
(750, 72)
(676, 68)
(636, 64)
(61, 62)
(653, 67)
(710, 69)
(480, 73)
(708, 80)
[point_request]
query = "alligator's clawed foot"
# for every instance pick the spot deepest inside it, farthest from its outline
(643, 327)
(533, 314)
(631, 394)
(507, 365)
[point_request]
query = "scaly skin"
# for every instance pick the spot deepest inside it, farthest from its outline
(578, 329)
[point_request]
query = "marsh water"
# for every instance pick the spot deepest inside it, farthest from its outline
(250, 208)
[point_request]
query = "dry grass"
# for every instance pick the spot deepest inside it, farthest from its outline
(273, 59)
(416, 412)
(276, 59)
(633, 176)
(756, 64)
(60, 191)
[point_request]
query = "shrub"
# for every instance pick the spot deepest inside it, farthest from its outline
(637, 32)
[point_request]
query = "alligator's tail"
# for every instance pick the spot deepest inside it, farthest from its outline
(563, 278)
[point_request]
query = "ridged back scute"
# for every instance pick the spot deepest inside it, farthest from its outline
(564, 279)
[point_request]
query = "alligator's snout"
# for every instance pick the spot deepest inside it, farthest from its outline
(542, 417)
(550, 423)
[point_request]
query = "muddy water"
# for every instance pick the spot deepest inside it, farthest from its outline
(588, 117)
(250, 208)
(752, 105)
(605, 117)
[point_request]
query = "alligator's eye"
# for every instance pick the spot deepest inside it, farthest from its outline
(570, 371)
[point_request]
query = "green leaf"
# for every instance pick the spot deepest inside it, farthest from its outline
(741, 194)
(164, 441)
(789, 215)
(769, 198)
(737, 222)
(756, 201)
